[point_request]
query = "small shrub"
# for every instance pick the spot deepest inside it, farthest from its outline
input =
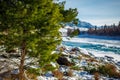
(90, 70)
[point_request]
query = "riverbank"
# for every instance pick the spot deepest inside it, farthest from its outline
(86, 65)
(74, 63)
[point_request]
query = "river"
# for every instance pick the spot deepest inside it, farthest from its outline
(99, 46)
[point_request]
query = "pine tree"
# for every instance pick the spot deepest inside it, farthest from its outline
(32, 26)
(70, 14)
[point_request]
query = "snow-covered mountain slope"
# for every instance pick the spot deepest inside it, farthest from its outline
(81, 24)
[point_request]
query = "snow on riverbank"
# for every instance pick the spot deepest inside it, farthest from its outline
(103, 54)
(100, 47)
(72, 65)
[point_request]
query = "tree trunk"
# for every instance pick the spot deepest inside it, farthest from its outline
(21, 67)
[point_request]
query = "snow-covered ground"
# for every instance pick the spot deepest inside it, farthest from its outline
(65, 29)
(77, 55)
(100, 46)
(97, 45)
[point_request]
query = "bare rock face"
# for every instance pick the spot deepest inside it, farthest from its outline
(75, 49)
(64, 61)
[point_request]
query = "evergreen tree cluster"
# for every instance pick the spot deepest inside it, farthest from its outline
(112, 30)
(73, 32)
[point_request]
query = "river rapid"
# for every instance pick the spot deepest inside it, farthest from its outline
(99, 46)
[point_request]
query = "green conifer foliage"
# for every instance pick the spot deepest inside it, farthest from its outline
(32, 26)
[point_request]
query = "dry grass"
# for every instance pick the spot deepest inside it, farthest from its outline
(80, 57)
(92, 60)
(70, 73)
(109, 69)
(62, 48)
(96, 76)
(58, 74)
(30, 76)
(86, 56)
(76, 68)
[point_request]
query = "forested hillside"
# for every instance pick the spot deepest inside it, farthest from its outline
(112, 30)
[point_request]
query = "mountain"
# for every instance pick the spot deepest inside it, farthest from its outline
(81, 24)
(84, 24)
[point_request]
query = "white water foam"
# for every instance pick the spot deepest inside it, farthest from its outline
(98, 53)
(107, 43)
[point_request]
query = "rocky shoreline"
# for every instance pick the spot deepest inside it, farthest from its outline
(73, 63)
(87, 64)
(77, 64)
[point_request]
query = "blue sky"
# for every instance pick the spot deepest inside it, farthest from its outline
(97, 12)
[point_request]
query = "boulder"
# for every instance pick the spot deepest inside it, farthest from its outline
(64, 61)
